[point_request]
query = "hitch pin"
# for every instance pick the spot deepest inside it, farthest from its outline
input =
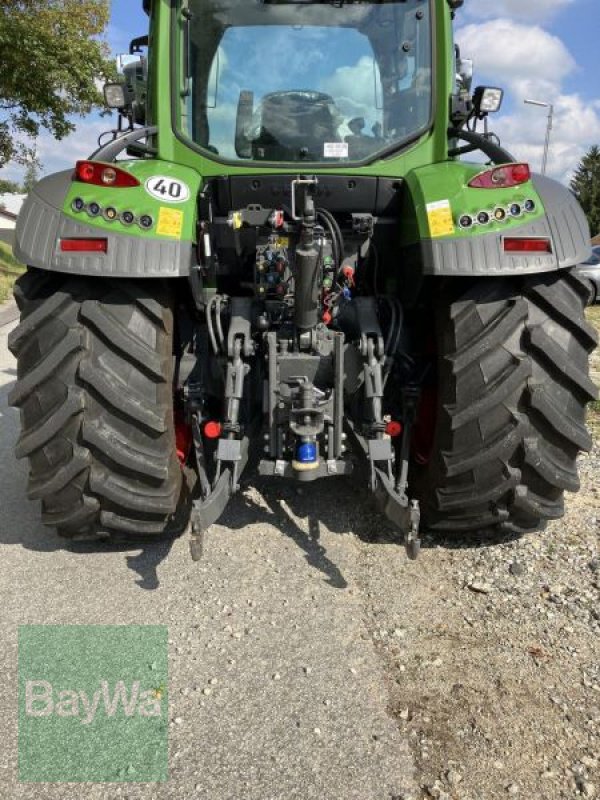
(412, 540)
(196, 543)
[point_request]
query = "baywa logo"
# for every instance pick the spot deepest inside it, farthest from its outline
(93, 703)
(43, 700)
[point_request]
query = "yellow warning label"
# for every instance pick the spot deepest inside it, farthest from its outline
(440, 218)
(283, 243)
(170, 222)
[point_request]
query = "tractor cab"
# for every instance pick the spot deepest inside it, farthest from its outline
(322, 83)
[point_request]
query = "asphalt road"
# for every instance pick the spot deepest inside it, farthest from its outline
(271, 623)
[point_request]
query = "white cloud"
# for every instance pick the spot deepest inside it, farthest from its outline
(533, 64)
(528, 10)
(524, 58)
(56, 155)
(576, 126)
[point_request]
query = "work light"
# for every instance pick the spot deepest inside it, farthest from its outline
(487, 99)
(115, 95)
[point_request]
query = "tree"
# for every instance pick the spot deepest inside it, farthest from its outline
(586, 186)
(10, 187)
(32, 174)
(51, 59)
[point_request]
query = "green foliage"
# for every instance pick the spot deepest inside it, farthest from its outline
(586, 185)
(52, 58)
(10, 269)
(32, 175)
(10, 187)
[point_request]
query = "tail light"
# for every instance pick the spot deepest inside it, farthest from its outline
(100, 174)
(527, 245)
(502, 177)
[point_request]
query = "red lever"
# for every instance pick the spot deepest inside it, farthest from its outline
(348, 273)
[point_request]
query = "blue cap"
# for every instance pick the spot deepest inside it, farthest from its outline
(306, 453)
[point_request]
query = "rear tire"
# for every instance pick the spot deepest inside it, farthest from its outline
(95, 371)
(513, 386)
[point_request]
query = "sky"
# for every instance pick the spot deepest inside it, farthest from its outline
(539, 49)
(544, 50)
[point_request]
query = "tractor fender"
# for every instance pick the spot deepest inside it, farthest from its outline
(46, 219)
(435, 243)
(567, 220)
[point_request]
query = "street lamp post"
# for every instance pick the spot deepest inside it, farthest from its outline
(549, 127)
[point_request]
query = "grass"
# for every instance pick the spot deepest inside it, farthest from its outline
(10, 269)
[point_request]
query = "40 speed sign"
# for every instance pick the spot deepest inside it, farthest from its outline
(167, 190)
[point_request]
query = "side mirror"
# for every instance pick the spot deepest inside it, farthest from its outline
(487, 100)
(124, 60)
(465, 74)
(136, 79)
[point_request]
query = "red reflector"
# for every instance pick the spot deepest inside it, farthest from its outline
(522, 245)
(502, 177)
(212, 430)
(99, 174)
(183, 436)
(84, 245)
(394, 429)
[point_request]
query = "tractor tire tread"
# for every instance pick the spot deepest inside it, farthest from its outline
(514, 385)
(94, 388)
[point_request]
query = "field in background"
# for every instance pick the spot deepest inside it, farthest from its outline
(10, 269)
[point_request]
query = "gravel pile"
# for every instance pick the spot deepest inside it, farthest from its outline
(492, 655)
(492, 652)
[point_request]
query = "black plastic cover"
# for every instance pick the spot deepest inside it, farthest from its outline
(337, 193)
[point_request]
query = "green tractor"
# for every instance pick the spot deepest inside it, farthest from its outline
(282, 263)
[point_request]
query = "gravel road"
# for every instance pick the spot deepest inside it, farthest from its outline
(310, 659)
(276, 690)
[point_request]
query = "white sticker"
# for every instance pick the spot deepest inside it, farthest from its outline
(167, 190)
(336, 150)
